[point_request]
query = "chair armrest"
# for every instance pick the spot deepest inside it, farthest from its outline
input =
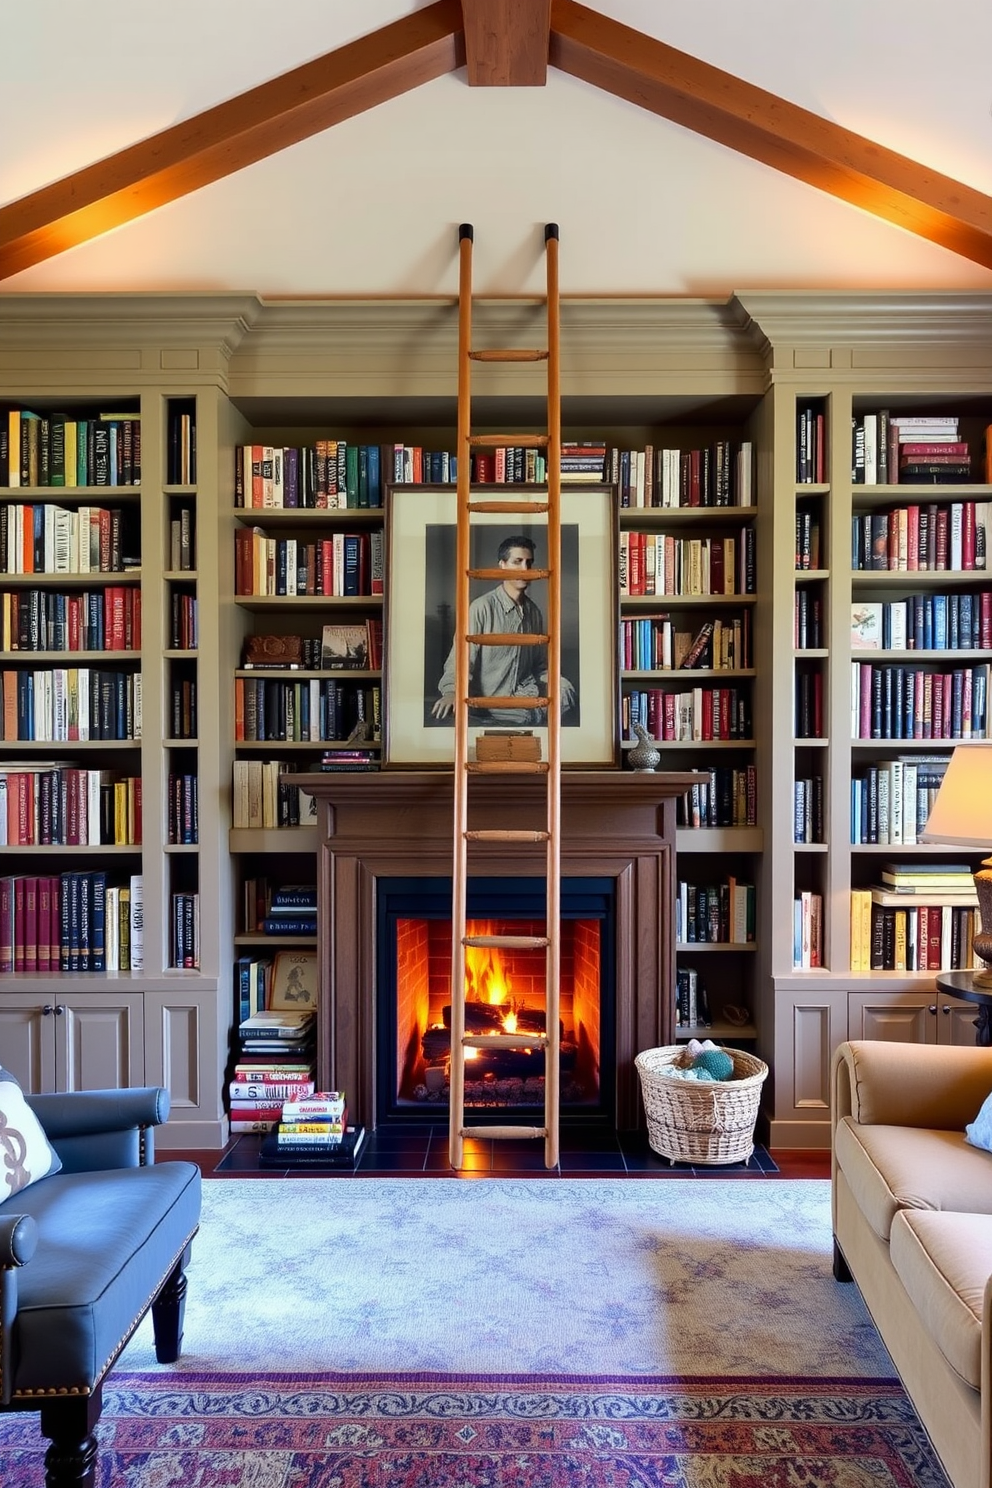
(879, 1083)
(92, 1129)
(18, 1239)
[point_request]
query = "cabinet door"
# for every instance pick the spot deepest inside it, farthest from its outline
(100, 1042)
(808, 1027)
(901, 1017)
(956, 1022)
(27, 1041)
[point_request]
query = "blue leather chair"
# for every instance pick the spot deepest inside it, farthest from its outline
(84, 1253)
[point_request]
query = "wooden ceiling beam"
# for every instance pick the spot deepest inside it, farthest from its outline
(767, 128)
(506, 42)
(224, 139)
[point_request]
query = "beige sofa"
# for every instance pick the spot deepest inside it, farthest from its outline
(912, 1218)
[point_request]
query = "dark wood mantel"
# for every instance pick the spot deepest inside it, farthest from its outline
(392, 823)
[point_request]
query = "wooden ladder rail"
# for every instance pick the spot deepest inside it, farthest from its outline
(550, 833)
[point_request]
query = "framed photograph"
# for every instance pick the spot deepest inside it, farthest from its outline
(344, 648)
(294, 981)
(420, 604)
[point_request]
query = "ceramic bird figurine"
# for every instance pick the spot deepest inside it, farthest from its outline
(644, 755)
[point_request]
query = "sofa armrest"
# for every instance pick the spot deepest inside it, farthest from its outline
(923, 1085)
(92, 1129)
(18, 1239)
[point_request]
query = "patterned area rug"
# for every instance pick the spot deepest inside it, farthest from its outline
(448, 1431)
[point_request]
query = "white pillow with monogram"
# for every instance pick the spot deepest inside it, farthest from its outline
(25, 1152)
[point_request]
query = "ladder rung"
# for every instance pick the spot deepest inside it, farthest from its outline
(504, 1133)
(505, 1040)
(507, 767)
(509, 354)
(507, 702)
(508, 506)
(496, 441)
(503, 573)
(504, 834)
(494, 638)
(508, 942)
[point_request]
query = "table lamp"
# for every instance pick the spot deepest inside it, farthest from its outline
(962, 817)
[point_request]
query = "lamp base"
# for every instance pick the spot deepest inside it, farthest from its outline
(983, 938)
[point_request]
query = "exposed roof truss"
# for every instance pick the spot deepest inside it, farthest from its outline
(502, 43)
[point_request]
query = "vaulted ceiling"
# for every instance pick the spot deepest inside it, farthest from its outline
(623, 122)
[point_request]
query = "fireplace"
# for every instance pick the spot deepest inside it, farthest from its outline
(616, 826)
(505, 991)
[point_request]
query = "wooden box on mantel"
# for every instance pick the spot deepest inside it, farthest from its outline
(507, 747)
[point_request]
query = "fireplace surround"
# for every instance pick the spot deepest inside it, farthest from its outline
(397, 824)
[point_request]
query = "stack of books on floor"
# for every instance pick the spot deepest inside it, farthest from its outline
(276, 1061)
(313, 1132)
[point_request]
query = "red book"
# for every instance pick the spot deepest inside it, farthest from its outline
(6, 924)
(75, 623)
(968, 529)
(912, 538)
(942, 539)
(20, 927)
(935, 919)
(707, 713)
(45, 962)
(30, 923)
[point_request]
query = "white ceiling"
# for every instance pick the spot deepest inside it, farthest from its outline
(369, 207)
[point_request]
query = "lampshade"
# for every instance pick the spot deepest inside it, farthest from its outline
(962, 813)
(962, 817)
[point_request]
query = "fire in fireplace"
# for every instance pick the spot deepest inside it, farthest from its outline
(505, 991)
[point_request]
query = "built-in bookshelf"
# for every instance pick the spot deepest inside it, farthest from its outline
(687, 584)
(668, 401)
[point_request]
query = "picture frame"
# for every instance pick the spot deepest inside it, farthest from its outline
(295, 981)
(419, 620)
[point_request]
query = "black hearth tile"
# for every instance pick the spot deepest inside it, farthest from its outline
(402, 1164)
(583, 1139)
(243, 1156)
(388, 1141)
(573, 1163)
(402, 1129)
(516, 1161)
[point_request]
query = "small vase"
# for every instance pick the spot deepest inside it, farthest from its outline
(643, 756)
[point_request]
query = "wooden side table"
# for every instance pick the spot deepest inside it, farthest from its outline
(962, 984)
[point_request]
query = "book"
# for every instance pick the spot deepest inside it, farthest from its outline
(294, 980)
(866, 626)
(343, 1154)
(276, 1024)
(344, 648)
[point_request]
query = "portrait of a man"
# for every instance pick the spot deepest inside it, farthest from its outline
(508, 607)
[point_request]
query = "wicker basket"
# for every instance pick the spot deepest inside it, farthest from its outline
(700, 1121)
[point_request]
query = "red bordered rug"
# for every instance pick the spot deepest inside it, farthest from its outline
(439, 1431)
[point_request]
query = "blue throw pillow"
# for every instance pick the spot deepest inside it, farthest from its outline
(979, 1131)
(25, 1152)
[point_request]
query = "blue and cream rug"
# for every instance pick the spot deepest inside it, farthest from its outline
(504, 1334)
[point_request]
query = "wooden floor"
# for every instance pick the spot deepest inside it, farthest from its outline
(423, 1153)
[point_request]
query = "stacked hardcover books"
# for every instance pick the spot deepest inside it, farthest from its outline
(277, 1054)
(293, 911)
(314, 1130)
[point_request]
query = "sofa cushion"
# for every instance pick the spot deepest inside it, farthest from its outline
(25, 1152)
(105, 1240)
(889, 1168)
(944, 1261)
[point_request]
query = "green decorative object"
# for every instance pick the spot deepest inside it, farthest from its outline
(716, 1062)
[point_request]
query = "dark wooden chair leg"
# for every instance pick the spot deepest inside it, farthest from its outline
(168, 1311)
(842, 1271)
(70, 1423)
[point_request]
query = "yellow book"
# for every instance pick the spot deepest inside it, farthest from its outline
(899, 963)
(856, 931)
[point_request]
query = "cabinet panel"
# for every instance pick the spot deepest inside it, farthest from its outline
(809, 1026)
(910, 1017)
(99, 1043)
(27, 1042)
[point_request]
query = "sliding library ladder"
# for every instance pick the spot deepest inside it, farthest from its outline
(548, 831)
